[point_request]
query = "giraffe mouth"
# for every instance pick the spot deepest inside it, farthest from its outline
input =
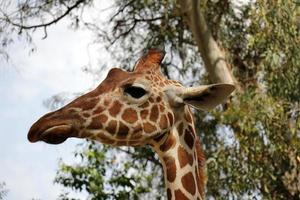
(53, 135)
(56, 134)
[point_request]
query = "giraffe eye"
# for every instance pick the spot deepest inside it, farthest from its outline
(134, 91)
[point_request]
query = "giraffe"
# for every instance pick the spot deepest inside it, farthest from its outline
(142, 108)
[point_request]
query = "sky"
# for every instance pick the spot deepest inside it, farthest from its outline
(28, 169)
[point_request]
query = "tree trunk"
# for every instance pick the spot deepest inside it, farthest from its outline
(213, 57)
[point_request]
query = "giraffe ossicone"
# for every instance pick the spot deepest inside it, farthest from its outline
(141, 108)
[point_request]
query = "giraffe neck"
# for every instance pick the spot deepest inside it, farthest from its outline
(183, 160)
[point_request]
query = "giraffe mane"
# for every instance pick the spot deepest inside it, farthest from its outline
(201, 167)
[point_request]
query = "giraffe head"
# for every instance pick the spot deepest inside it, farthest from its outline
(127, 108)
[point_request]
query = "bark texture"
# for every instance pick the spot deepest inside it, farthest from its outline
(213, 57)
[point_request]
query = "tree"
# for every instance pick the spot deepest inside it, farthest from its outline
(252, 143)
(109, 173)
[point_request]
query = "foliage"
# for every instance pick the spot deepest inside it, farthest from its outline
(120, 173)
(252, 143)
(263, 154)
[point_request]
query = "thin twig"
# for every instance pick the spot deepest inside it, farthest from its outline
(21, 26)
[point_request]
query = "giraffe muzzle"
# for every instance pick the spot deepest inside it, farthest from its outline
(53, 128)
(53, 135)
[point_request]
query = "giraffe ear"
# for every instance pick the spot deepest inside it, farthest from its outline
(151, 60)
(208, 96)
(203, 97)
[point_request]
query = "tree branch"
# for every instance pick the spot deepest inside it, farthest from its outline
(213, 57)
(69, 9)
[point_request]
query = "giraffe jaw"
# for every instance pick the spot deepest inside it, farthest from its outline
(53, 135)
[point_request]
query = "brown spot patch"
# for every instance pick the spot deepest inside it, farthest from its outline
(161, 108)
(158, 99)
(144, 114)
(171, 118)
(95, 124)
(169, 194)
(163, 123)
(161, 84)
(170, 141)
(123, 131)
(189, 139)
(188, 182)
(149, 128)
(111, 128)
(180, 128)
(154, 113)
(184, 157)
(151, 99)
(170, 168)
(86, 115)
(104, 139)
(137, 132)
(103, 118)
(115, 108)
(180, 196)
(130, 115)
(98, 110)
